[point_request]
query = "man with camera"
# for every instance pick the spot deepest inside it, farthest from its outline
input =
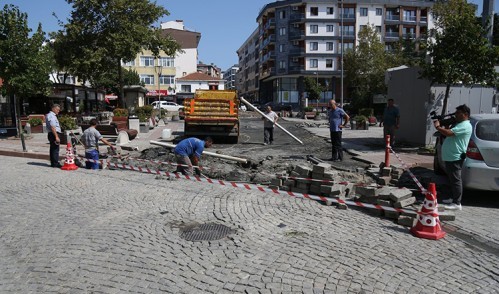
(454, 152)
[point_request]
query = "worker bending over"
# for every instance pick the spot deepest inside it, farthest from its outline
(188, 153)
(90, 139)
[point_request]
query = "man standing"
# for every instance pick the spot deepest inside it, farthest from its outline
(90, 139)
(336, 116)
(391, 121)
(454, 152)
(188, 152)
(268, 126)
(54, 133)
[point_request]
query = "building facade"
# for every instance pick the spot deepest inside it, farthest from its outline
(229, 77)
(248, 76)
(298, 39)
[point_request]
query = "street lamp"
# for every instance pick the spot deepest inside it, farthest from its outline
(341, 54)
(158, 69)
(317, 85)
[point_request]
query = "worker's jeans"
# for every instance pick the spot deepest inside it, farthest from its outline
(92, 154)
(54, 150)
(453, 170)
(185, 165)
(268, 135)
(337, 150)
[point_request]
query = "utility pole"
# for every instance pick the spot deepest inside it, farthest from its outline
(341, 61)
(158, 69)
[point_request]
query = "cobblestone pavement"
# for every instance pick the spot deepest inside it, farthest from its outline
(115, 231)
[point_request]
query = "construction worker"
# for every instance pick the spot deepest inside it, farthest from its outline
(188, 152)
(90, 140)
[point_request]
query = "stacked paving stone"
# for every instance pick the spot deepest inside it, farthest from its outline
(321, 180)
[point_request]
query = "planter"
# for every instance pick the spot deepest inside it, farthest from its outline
(37, 129)
(121, 122)
(309, 115)
(133, 123)
(144, 128)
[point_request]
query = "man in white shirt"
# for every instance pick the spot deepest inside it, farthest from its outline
(268, 126)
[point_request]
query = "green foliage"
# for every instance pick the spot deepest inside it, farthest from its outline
(360, 119)
(35, 121)
(120, 112)
(313, 88)
(24, 63)
(308, 109)
(365, 68)
(368, 112)
(102, 34)
(144, 112)
(67, 122)
(458, 50)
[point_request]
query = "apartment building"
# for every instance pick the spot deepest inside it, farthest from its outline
(160, 74)
(248, 76)
(296, 39)
(229, 77)
(209, 69)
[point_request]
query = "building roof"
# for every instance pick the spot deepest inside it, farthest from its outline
(186, 39)
(197, 76)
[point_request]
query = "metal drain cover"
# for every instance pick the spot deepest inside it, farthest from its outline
(205, 232)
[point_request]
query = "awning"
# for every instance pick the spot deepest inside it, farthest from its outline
(111, 97)
(162, 92)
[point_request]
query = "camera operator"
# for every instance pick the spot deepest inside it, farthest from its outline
(454, 152)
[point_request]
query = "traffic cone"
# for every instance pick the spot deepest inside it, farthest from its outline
(428, 223)
(69, 162)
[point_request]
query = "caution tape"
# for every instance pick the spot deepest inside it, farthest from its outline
(255, 187)
(406, 168)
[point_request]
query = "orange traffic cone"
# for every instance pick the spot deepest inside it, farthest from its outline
(69, 162)
(428, 223)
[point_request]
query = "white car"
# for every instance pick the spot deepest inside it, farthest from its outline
(243, 107)
(169, 106)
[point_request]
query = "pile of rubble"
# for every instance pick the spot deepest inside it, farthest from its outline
(322, 180)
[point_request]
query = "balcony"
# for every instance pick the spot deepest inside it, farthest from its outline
(409, 36)
(296, 52)
(270, 24)
(392, 17)
(267, 72)
(348, 16)
(297, 17)
(423, 19)
(411, 18)
(300, 35)
(268, 40)
(296, 69)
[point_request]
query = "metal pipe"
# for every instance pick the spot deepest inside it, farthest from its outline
(265, 116)
(228, 157)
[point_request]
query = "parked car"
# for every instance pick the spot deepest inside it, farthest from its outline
(481, 165)
(169, 106)
(276, 106)
(243, 107)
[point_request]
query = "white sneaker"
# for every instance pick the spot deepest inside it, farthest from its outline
(453, 206)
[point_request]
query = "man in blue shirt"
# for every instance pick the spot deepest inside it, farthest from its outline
(454, 152)
(54, 133)
(188, 152)
(336, 116)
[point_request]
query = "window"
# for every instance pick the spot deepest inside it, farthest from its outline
(329, 63)
(329, 46)
(347, 46)
(167, 61)
(330, 10)
(314, 46)
(314, 63)
(314, 11)
(282, 64)
(378, 29)
(314, 29)
(167, 80)
(348, 12)
(409, 15)
(185, 88)
(330, 28)
(363, 11)
(282, 14)
(129, 63)
(379, 11)
(348, 31)
(282, 47)
(146, 61)
(282, 31)
(147, 79)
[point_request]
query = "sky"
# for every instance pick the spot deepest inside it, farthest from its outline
(224, 24)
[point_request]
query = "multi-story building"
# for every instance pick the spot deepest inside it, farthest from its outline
(247, 78)
(298, 39)
(229, 77)
(160, 74)
(209, 69)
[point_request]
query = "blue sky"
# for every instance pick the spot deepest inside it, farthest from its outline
(224, 24)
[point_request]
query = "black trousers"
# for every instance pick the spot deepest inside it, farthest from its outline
(268, 135)
(453, 170)
(337, 150)
(54, 150)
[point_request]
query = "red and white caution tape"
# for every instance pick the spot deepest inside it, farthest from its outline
(406, 168)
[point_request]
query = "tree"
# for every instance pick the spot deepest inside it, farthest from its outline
(365, 67)
(313, 88)
(102, 34)
(458, 50)
(24, 61)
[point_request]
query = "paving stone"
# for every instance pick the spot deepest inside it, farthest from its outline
(397, 195)
(447, 215)
(329, 175)
(406, 221)
(384, 203)
(392, 214)
(404, 202)
(276, 182)
(321, 168)
(366, 191)
(383, 180)
(303, 171)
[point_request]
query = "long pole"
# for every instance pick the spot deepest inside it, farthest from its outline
(341, 62)
(228, 157)
(265, 116)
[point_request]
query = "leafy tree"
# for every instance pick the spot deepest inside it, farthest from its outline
(458, 49)
(410, 52)
(313, 88)
(110, 83)
(365, 67)
(24, 61)
(102, 34)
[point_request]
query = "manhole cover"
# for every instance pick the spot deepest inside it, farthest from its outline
(205, 232)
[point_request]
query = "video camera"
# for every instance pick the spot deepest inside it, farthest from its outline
(445, 120)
